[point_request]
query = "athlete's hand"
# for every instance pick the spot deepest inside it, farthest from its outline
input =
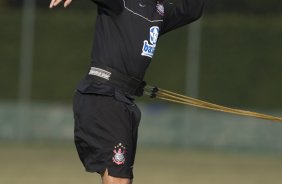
(56, 2)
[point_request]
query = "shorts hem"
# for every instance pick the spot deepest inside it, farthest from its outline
(110, 172)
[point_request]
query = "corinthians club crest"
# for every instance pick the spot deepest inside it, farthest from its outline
(119, 154)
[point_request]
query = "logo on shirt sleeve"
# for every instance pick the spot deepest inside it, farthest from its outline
(149, 46)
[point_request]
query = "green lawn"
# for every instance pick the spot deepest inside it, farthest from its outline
(46, 164)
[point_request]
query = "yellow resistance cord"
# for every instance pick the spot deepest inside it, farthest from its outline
(162, 94)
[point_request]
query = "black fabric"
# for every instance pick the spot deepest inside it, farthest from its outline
(127, 84)
(123, 32)
(88, 86)
(109, 6)
(119, 37)
(184, 12)
(125, 39)
(101, 124)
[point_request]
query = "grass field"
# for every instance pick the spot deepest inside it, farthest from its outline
(57, 164)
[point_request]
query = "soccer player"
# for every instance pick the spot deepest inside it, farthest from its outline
(106, 117)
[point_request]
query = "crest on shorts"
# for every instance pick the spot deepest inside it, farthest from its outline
(119, 154)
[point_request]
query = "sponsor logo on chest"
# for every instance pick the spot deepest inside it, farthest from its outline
(149, 46)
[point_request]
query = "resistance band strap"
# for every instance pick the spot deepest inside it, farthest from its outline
(162, 94)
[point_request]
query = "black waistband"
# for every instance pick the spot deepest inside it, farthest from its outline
(112, 77)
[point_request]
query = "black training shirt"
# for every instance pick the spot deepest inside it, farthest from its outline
(127, 31)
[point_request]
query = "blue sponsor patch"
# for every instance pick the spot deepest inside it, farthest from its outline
(149, 46)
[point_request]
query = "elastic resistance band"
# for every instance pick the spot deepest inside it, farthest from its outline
(162, 94)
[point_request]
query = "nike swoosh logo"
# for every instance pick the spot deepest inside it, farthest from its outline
(142, 5)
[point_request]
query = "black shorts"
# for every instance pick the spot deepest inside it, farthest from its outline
(106, 133)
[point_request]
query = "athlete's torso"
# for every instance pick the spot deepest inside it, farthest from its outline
(126, 36)
(126, 41)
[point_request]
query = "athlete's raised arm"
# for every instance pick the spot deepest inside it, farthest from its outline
(182, 13)
(56, 2)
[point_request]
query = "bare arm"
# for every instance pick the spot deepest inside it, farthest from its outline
(56, 2)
